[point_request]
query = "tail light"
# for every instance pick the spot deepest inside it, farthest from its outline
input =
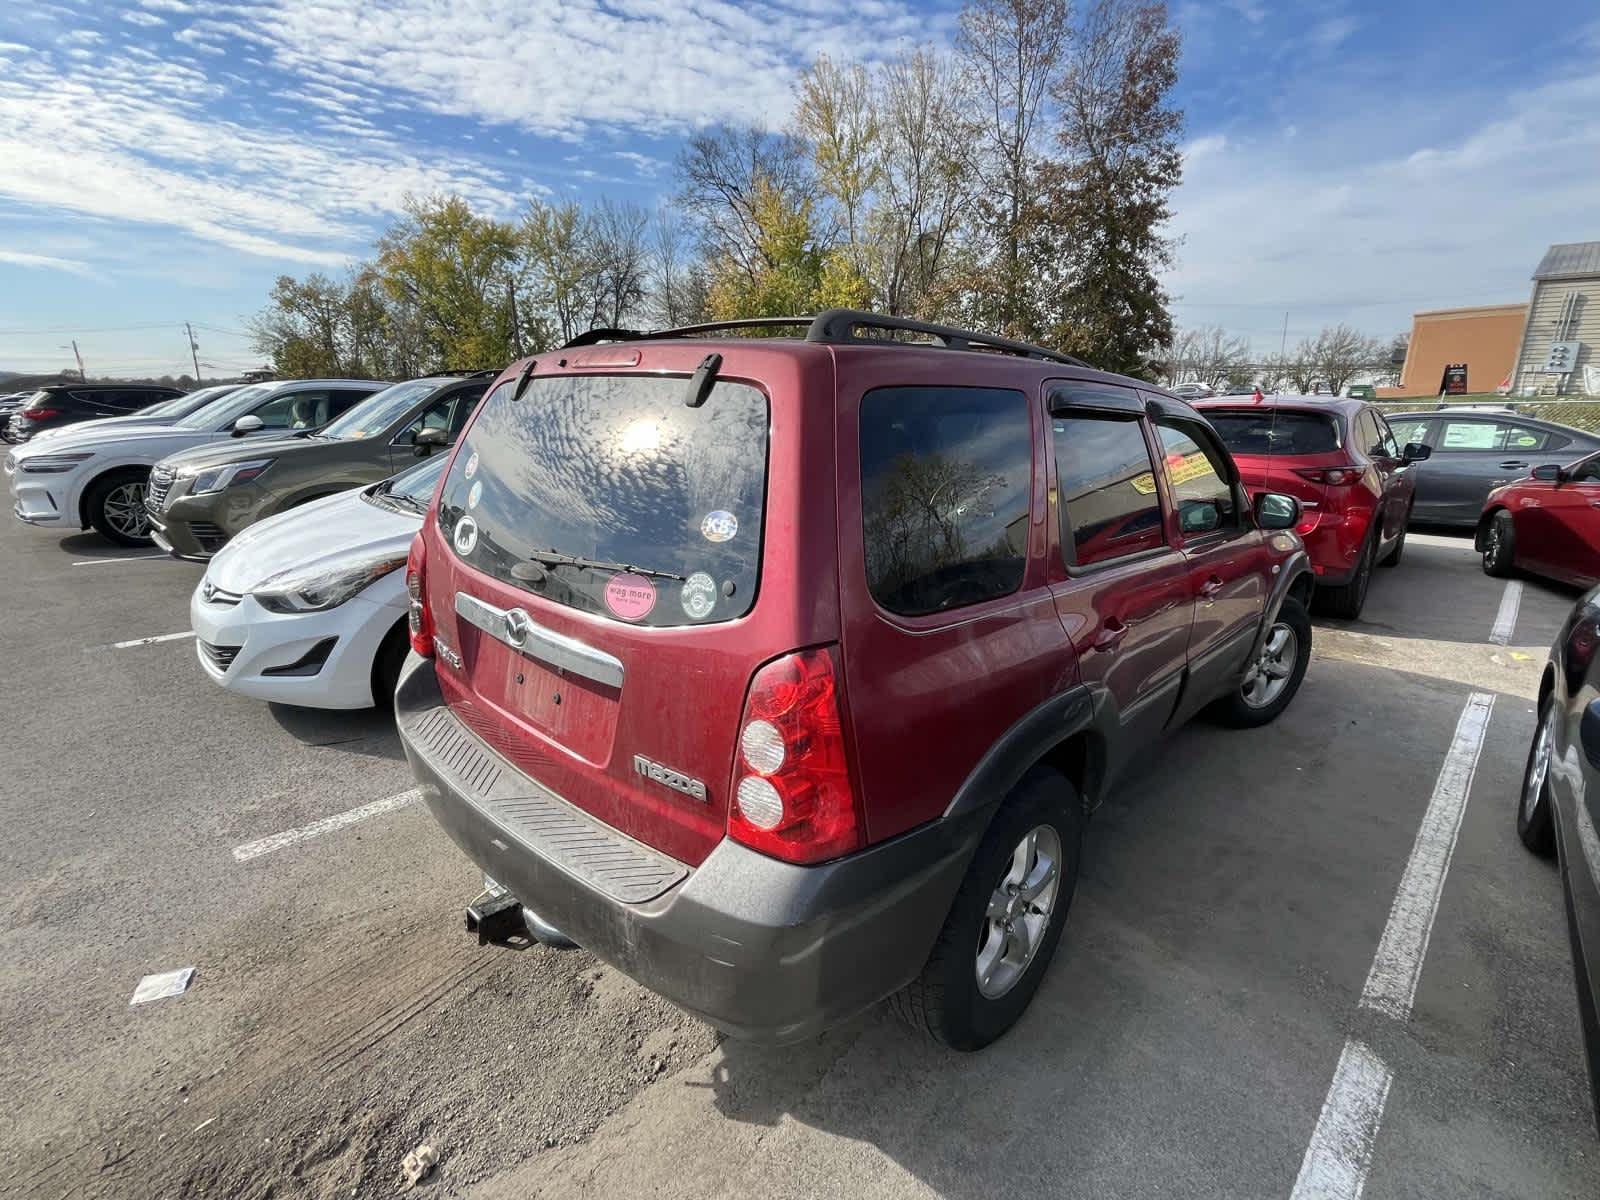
(420, 618)
(40, 414)
(793, 799)
(1333, 476)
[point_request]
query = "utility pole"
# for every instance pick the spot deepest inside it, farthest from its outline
(194, 352)
(79, 357)
(516, 329)
(1283, 345)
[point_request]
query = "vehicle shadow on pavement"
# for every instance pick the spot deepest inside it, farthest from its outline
(368, 731)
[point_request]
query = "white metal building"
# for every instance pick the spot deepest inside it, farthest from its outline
(1559, 353)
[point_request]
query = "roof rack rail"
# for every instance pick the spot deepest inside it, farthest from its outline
(468, 372)
(837, 327)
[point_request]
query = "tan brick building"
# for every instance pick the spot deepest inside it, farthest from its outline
(1485, 338)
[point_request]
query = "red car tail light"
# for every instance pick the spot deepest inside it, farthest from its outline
(793, 799)
(40, 414)
(1333, 476)
(419, 617)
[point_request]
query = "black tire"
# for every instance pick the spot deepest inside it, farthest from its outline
(106, 505)
(1347, 600)
(1500, 546)
(1237, 708)
(946, 1001)
(386, 664)
(1399, 547)
(1535, 823)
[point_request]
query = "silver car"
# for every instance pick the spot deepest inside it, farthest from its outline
(1476, 450)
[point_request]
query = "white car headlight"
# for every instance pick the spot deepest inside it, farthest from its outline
(302, 590)
(218, 478)
(51, 464)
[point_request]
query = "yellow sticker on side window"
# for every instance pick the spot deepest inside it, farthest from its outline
(1181, 470)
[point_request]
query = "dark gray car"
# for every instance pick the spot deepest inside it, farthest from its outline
(200, 498)
(1474, 452)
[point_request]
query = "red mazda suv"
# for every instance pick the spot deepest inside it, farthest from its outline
(783, 673)
(1341, 460)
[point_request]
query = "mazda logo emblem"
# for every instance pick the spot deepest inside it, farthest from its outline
(517, 626)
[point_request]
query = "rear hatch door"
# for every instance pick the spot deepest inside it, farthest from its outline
(1281, 449)
(598, 554)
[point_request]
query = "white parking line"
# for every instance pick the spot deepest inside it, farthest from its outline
(1336, 1161)
(100, 562)
(1505, 621)
(150, 641)
(1392, 982)
(291, 837)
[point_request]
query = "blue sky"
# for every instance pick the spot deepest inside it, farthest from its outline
(164, 160)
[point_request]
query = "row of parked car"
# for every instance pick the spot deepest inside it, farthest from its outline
(783, 673)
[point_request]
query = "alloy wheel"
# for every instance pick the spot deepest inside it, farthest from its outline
(1269, 674)
(124, 509)
(1019, 912)
(1538, 765)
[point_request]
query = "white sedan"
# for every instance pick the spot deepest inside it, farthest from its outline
(309, 607)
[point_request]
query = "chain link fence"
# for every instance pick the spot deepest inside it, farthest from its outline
(1575, 414)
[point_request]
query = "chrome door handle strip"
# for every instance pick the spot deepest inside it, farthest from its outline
(515, 628)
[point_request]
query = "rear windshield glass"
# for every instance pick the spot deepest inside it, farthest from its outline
(1268, 431)
(617, 472)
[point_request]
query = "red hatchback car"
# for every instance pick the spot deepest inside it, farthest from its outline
(1341, 460)
(1548, 523)
(783, 673)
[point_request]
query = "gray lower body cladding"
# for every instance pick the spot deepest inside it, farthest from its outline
(764, 950)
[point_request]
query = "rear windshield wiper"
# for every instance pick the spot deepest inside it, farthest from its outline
(554, 558)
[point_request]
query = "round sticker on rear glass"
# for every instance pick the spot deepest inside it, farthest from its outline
(630, 596)
(719, 526)
(698, 596)
(472, 466)
(466, 536)
(474, 494)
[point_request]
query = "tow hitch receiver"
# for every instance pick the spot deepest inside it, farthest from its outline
(496, 917)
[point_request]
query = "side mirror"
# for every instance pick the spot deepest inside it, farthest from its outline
(428, 440)
(1549, 473)
(1416, 452)
(246, 425)
(1274, 510)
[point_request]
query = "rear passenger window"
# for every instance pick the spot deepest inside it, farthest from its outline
(1201, 492)
(945, 480)
(1109, 503)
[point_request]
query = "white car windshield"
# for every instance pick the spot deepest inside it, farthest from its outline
(379, 410)
(227, 409)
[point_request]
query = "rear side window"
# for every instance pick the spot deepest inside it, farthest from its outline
(608, 494)
(1107, 485)
(1200, 489)
(1268, 431)
(945, 483)
(1491, 435)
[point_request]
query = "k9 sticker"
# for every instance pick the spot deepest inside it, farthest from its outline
(466, 536)
(698, 596)
(719, 526)
(630, 596)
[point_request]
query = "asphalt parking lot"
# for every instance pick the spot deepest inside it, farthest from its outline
(1269, 985)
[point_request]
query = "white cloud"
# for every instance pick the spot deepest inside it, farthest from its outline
(20, 258)
(1330, 34)
(653, 66)
(1333, 228)
(1204, 147)
(134, 138)
(143, 18)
